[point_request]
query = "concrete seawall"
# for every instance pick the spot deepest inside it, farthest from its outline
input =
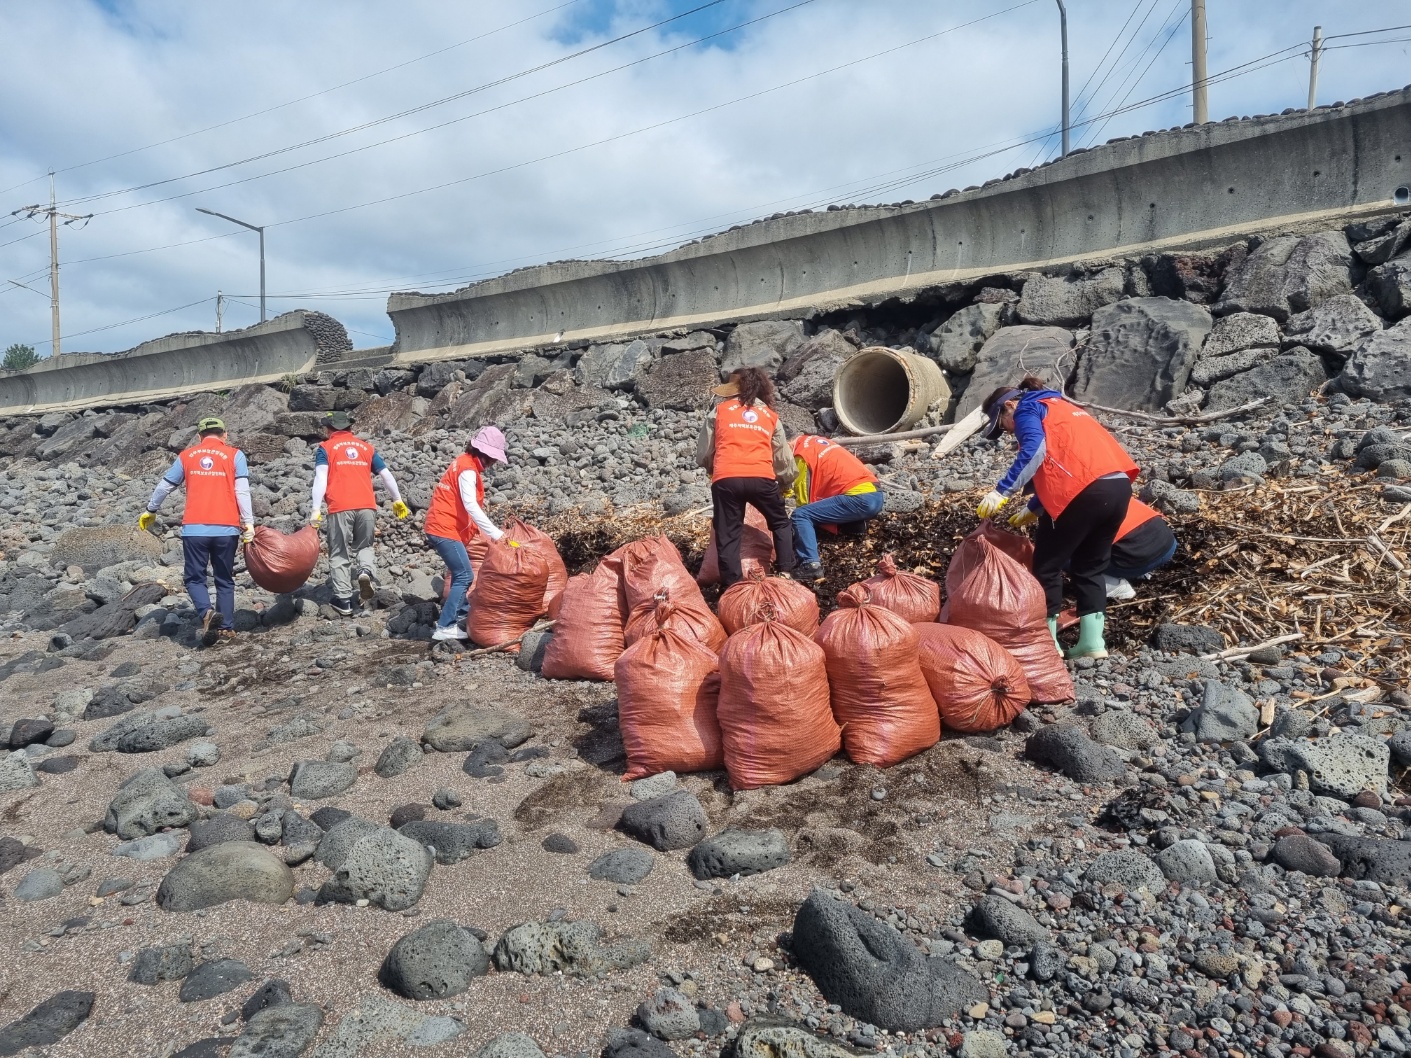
(1180, 189)
(175, 365)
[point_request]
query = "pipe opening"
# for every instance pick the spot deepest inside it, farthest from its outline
(1402, 195)
(880, 390)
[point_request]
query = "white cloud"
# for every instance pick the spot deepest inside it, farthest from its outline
(85, 81)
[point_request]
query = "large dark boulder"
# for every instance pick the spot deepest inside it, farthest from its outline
(1141, 353)
(873, 972)
(1289, 274)
(1013, 352)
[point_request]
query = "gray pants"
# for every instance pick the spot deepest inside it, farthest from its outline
(349, 544)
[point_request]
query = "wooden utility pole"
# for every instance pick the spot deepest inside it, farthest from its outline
(1313, 58)
(1200, 108)
(53, 213)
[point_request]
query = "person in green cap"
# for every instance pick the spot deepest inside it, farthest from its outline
(218, 516)
(344, 466)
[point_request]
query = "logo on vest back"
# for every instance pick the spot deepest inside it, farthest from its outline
(750, 415)
(207, 462)
(350, 452)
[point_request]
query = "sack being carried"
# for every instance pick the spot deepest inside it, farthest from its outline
(977, 684)
(787, 601)
(775, 721)
(692, 619)
(508, 594)
(280, 562)
(915, 598)
(879, 695)
(756, 549)
(989, 591)
(587, 639)
(668, 685)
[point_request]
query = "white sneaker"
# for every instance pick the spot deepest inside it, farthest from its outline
(1119, 589)
(444, 634)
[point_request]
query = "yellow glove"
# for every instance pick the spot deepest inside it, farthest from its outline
(991, 504)
(146, 521)
(1024, 519)
(248, 534)
(316, 519)
(400, 509)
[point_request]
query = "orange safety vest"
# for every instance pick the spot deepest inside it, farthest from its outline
(832, 469)
(349, 473)
(1138, 514)
(744, 436)
(209, 466)
(447, 514)
(1078, 451)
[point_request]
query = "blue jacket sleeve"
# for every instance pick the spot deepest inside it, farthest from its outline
(1029, 429)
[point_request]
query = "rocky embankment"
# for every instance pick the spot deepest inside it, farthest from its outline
(328, 838)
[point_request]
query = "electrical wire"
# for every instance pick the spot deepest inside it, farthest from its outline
(1185, 13)
(124, 323)
(465, 117)
(302, 99)
(1127, 84)
(518, 75)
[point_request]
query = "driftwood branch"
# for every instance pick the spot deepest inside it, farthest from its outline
(1242, 652)
(1178, 420)
(541, 626)
(887, 438)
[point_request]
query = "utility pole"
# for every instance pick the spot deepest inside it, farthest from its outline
(1200, 108)
(53, 213)
(1063, 27)
(255, 228)
(1313, 58)
(220, 306)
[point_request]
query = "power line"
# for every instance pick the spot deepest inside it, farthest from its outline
(409, 111)
(464, 117)
(136, 319)
(1131, 68)
(1185, 13)
(303, 99)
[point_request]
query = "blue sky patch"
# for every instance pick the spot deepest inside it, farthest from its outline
(599, 18)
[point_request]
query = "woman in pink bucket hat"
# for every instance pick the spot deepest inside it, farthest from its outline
(456, 514)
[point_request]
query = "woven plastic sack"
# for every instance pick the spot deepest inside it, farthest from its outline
(1020, 548)
(668, 685)
(651, 565)
(989, 591)
(529, 537)
(977, 684)
(916, 598)
(691, 619)
(587, 639)
(787, 600)
(775, 721)
(280, 562)
(756, 549)
(878, 692)
(508, 594)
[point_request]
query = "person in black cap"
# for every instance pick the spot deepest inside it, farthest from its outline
(344, 466)
(1082, 482)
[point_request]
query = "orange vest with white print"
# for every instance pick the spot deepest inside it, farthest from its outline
(447, 514)
(349, 473)
(832, 469)
(744, 441)
(1078, 451)
(209, 469)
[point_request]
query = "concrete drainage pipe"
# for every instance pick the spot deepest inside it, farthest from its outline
(879, 390)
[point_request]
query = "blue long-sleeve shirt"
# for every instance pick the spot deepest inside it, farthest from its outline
(1033, 444)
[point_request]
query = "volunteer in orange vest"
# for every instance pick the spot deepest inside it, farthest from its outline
(833, 489)
(217, 480)
(1144, 544)
(456, 514)
(344, 466)
(1082, 482)
(743, 447)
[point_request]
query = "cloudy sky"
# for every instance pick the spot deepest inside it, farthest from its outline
(427, 144)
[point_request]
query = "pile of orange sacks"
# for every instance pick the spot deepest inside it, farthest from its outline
(769, 694)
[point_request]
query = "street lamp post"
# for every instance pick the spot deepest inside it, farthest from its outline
(254, 228)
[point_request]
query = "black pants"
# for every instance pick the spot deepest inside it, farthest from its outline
(1080, 540)
(729, 496)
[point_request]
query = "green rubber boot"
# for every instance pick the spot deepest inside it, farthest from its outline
(1053, 631)
(1090, 642)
